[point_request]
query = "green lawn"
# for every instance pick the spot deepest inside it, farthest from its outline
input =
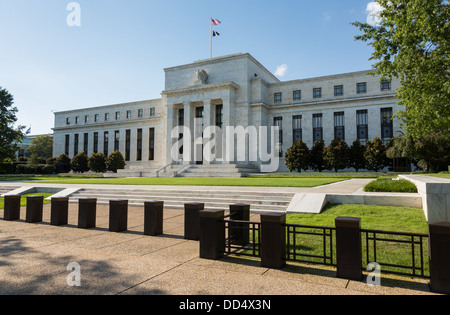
(23, 200)
(261, 182)
(396, 219)
(51, 177)
(441, 175)
(401, 219)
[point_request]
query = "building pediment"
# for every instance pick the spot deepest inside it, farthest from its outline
(202, 88)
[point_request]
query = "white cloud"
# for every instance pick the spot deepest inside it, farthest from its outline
(373, 11)
(281, 70)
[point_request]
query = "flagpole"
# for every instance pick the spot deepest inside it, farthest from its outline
(210, 39)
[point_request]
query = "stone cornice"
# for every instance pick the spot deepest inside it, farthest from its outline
(105, 125)
(200, 88)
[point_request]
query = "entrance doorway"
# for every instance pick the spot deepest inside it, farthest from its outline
(199, 127)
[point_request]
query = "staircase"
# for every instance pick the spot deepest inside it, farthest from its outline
(219, 170)
(176, 198)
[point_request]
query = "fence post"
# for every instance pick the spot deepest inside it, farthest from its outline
(439, 247)
(34, 209)
(118, 215)
(59, 212)
(349, 248)
(192, 220)
(273, 240)
(87, 213)
(212, 234)
(12, 207)
(238, 232)
(153, 217)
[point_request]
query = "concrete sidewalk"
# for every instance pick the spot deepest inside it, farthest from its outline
(34, 260)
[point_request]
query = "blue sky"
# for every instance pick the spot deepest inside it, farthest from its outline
(118, 53)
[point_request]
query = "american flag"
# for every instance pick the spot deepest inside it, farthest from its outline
(215, 22)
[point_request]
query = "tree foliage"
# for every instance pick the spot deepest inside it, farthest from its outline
(356, 156)
(41, 147)
(115, 161)
(9, 136)
(80, 163)
(317, 156)
(336, 155)
(97, 163)
(63, 164)
(412, 42)
(375, 155)
(297, 158)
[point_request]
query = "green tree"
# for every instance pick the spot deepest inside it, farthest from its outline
(432, 150)
(80, 163)
(317, 162)
(41, 147)
(63, 164)
(115, 161)
(9, 136)
(375, 155)
(336, 155)
(97, 163)
(412, 42)
(297, 158)
(356, 155)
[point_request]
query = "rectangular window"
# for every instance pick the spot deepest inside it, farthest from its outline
(86, 119)
(67, 121)
(151, 145)
(278, 122)
(75, 144)
(117, 115)
(181, 117)
(297, 128)
(128, 114)
(362, 126)
(361, 88)
(317, 93)
(140, 113)
(339, 90)
(67, 145)
(95, 142)
(116, 140)
(86, 143)
(317, 127)
(219, 116)
(385, 86)
(106, 143)
(387, 128)
(107, 117)
(139, 145)
(297, 95)
(278, 97)
(96, 117)
(77, 120)
(339, 125)
(152, 112)
(127, 144)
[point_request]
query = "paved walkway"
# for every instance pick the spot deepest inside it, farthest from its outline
(34, 260)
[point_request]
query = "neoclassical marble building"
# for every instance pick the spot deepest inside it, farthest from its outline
(232, 91)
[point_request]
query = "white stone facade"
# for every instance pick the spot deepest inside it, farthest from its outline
(246, 94)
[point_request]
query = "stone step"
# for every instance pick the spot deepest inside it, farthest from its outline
(187, 193)
(224, 205)
(190, 199)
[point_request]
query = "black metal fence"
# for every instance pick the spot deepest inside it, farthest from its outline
(396, 252)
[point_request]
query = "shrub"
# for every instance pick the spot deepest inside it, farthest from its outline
(115, 161)
(80, 163)
(317, 161)
(97, 163)
(375, 155)
(356, 156)
(336, 155)
(8, 168)
(48, 169)
(297, 158)
(63, 164)
(389, 185)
